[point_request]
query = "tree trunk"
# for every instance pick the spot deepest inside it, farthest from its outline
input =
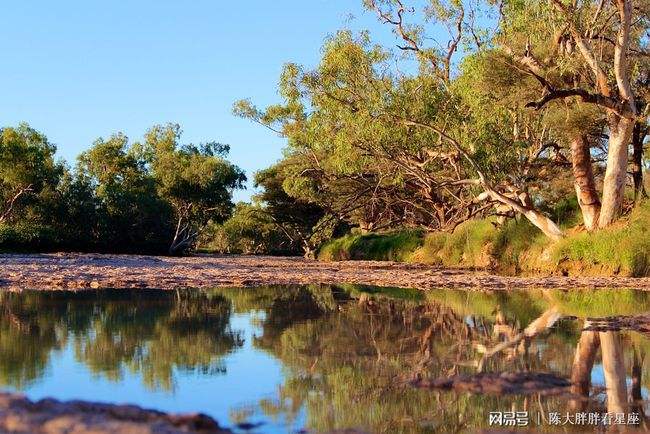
(637, 383)
(183, 238)
(584, 182)
(583, 363)
(638, 136)
(614, 370)
(539, 220)
(614, 183)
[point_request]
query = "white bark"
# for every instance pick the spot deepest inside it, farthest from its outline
(614, 370)
(616, 172)
(539, 220)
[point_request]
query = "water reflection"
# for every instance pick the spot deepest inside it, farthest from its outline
(381, 360)
(113, 332)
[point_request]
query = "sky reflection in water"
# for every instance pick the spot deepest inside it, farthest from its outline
(323, 357)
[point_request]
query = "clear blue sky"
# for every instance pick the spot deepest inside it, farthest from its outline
(78, 70)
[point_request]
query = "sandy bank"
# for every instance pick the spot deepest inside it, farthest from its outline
(78, 271)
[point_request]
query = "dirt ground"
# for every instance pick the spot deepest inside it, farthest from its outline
(79, 271)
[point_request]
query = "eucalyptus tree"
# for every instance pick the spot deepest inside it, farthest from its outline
(593, 54)
(414, 137)
(28, 173)
(196, 180)
(131, 213)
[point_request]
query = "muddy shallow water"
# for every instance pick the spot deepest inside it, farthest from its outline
(78, 271)
(328, 357)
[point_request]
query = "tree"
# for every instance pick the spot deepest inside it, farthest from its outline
(410, 144)
(306, 224)
(28, 173)
(132, 215)
(593, 53)
(196, 180)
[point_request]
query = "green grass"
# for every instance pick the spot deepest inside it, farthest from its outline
(390, 246)
(622, 249)
(468, 245)
(513, 241)
(517, 246)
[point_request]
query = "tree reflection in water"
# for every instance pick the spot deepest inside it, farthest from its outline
(148, 332)
(350, 354)
(350, 362)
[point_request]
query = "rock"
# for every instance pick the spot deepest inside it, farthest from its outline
(500, 383)
(48, 416)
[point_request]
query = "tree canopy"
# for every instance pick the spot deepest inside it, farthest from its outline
(512, 108)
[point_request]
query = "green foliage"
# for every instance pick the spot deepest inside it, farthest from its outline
(392, 246)
(28, 174)
(357, 145)
(27, 237)
(121, 197)
(250, 230)
(276, 222)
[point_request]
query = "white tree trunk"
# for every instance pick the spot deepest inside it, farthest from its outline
(616, 173)
(614, 370)
(539, 220)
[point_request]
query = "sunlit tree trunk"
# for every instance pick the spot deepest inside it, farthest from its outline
(584, 182)
(538, 219)
(620, 124)
(583, 363)
(616, 173)
(614, 370)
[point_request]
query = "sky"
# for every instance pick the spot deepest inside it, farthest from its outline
(79, 70)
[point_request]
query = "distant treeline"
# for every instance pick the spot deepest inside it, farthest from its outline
(153, 196)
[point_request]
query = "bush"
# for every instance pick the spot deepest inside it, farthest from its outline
(26, 237)
(390, 246)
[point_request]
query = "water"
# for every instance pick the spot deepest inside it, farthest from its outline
(320, 358)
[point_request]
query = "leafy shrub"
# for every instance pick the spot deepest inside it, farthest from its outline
(26, 237)
(390, 246)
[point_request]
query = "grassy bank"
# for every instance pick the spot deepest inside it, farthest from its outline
(514, 248)
(393, 246)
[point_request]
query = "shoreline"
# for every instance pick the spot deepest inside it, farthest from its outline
(77, 271)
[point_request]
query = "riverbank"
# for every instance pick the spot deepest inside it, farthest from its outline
(86, 271)
(515, 248)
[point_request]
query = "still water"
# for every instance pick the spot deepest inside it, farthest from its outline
(319, 358)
